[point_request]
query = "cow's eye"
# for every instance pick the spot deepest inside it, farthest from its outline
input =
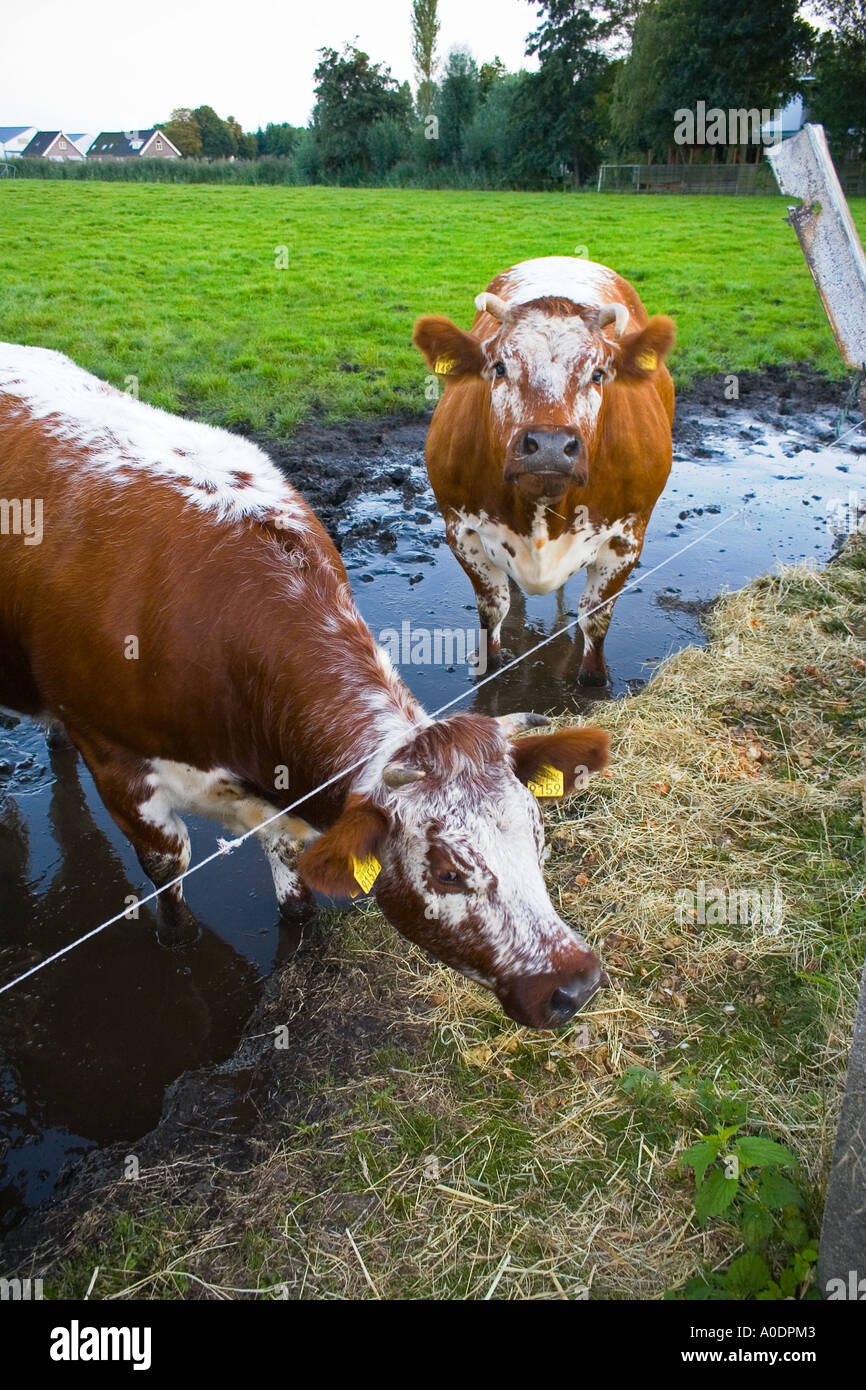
(499, 368)
(450, 879)
(598, 376)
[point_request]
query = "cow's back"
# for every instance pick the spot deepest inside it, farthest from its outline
(165, 546)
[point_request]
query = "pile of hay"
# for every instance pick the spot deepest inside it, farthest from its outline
(740, 767)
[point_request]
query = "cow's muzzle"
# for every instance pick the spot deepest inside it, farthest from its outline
(549, 1001)
(545, 463)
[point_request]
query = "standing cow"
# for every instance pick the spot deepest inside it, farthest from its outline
(552, 441)
(174, 604)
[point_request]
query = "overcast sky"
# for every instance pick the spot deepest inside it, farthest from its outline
(94, 65)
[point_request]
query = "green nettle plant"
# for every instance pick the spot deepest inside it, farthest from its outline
(740, 1177)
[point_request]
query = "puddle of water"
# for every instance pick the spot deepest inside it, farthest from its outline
(88, 1046)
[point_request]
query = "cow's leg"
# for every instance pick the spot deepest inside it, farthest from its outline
(222, 796)
(283, 845)
(605, 578)
(56, 737)
(490, 583)
(145, 814)
(561, 610)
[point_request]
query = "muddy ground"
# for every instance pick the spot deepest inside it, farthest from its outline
(315, 459)
(222, 1113)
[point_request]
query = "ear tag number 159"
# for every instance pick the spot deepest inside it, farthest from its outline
(548, 781)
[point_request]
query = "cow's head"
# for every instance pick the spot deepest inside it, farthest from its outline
(546, 367)
(457, 830)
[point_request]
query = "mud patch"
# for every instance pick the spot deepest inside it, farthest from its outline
(337, 465)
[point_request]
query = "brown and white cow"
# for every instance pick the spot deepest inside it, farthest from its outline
(183, 615)
(552, 441)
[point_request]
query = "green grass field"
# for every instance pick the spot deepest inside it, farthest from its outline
(178, 286)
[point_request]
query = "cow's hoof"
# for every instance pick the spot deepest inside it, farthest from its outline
(298, 922)
(298, 912)
(56, 737)
(587, 677)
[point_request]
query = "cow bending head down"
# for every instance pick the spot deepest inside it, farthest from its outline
(261, 690)
(546, 362)
(459, 836)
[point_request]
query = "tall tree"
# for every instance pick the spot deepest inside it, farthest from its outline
(555, 107)
(732, 57)
(217, 137)
(491, 143)
(646, 93)
(425, 32)
(456, 103)
(352, 94)
(245, 142)
(279, 139)
(838, 97)
(183, 131)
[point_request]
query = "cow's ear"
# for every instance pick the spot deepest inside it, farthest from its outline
(344, 859)
(449, 351)
(560, 763)
(641, 353)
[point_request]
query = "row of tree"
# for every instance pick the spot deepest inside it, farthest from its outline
(611, 74)
(202, 134)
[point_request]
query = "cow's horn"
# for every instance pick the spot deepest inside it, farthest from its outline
(491, 304)
(396, 775)
(616, 314)
(513, 723)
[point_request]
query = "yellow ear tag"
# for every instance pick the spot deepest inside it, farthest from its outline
(366, 871)
(647, 361)
(548, 781)
(444, 365)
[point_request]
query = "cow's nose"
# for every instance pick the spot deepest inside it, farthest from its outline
(567, 998)
(550, 451)
(548, 1001)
